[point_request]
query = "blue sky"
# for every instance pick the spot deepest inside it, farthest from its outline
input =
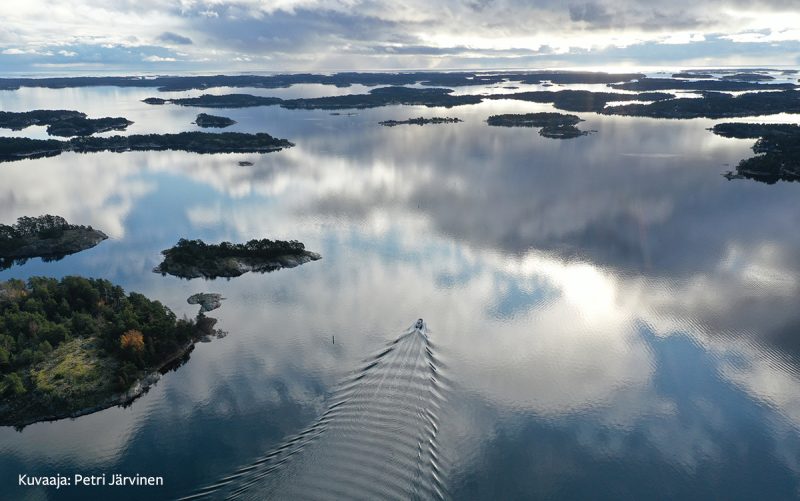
(318, 35)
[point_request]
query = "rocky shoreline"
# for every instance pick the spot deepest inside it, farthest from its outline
(139, 388)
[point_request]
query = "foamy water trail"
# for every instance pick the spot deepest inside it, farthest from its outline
(376, 440)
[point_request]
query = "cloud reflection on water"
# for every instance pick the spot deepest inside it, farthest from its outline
(567, 283)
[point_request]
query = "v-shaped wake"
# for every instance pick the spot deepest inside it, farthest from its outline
(376, 440)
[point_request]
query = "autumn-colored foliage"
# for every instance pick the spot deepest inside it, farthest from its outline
(132, 340)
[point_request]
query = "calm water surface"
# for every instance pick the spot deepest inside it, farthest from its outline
(613, 318)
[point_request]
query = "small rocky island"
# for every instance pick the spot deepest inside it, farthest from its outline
(18, 148)
(208, 301)
(48, 237)
(420, 121)
(63, 123)
(553, 125)
(205, 120)
(75, 346)
(195, 258)
(777, 151)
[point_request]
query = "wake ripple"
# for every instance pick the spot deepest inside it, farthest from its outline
(376, 440)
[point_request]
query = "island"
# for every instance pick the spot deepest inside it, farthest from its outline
(714, 105)
(345, 79)
(637, 81)
(208, 301)
(218, 101)
(571, 77)
(568, 100)
(77, 345)
(650, 84)
(689, 74)
(420, 121)
(195, 258)
(748, 77)
(382, 96)
(14, 148)
(63, 123)
(580, 100)
(48, 237)
(777, 151)
(553, 125)
(204, 120)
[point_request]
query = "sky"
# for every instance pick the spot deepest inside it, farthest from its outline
(159, 36)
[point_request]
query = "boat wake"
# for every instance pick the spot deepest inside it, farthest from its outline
(376, 440)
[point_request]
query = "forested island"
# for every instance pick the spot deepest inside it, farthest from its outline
(205, 120)
(420, 121)
(65, 123)
(218, 101)
(346, 79)
(580, 100)
(734, 81)
(748, 77)
(689, 74)
(74, 346)
(195, 258)
(777, 150)
(716, 102)
(13, 148)
(553, 125)
(649, 84)
(568, 100)
(48, 237)
(714, 105)
(382, 96)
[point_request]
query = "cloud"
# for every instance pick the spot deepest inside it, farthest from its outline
(174, 38)
(158, 59)
(592, 13)
(369, 34)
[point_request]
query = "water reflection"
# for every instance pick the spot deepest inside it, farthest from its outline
(613, 314)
